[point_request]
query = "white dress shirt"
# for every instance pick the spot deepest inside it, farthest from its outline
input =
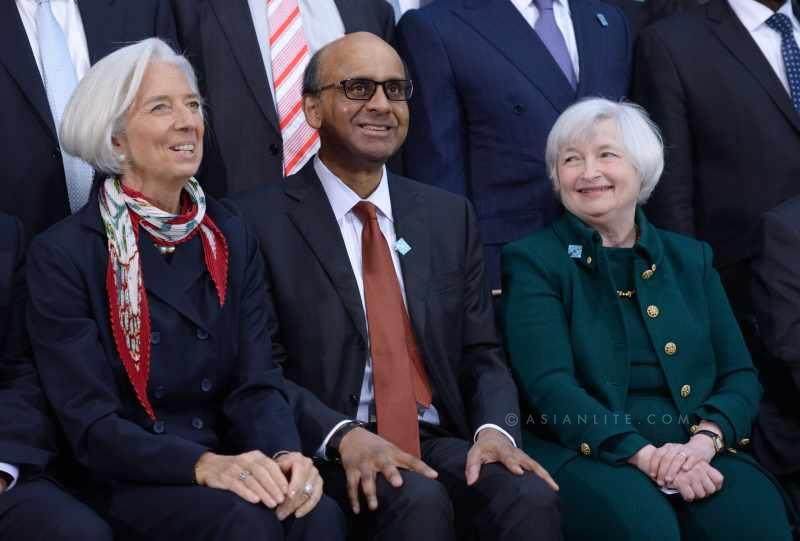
(564, 22)
(322, 24)
(13, 471)
(342, 200)
(753, 16)
(69, 18)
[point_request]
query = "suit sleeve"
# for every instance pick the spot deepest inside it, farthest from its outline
(434, 151)
(258, 408)
(27, 433)
(485, 381)
(540, 348)
(78, 379)
(734, 401)
(657, 87)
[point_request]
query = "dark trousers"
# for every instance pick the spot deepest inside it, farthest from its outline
(172, 513)
(38, 510)
(499, 507)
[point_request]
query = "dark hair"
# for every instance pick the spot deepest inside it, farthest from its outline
(311, 82)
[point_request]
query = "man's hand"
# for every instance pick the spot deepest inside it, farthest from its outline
(3, 484)
(493, 446)
(363, 455)
(302, 474)
(252, 476)
(701, 481)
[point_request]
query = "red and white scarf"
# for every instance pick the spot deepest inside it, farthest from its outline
(123, 211)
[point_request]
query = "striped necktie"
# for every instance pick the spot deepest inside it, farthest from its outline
(791, 54)
(289, 55)
(60, 81)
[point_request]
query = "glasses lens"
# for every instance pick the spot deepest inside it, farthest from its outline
(359, 89)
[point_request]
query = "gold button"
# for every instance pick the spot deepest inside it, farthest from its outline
(589, 260)
(670, 348)
(694, 428)
(744, 442)
(585, 449)
(653, 311)
(732, 451)
(646, 275)
(653, 267)
(686, 390)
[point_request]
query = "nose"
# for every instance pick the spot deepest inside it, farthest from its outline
(590, 168)
(186, 118)
(379, 102)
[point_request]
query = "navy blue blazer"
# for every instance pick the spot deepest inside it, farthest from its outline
(32, 177)
(212, 381)
(27, 432)
(486, 94)
(320, 333)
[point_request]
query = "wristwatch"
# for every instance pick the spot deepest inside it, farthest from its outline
(332, 448)
(718, 446)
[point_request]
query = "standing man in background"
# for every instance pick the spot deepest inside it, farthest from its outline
(492, 77)
(46, 47)
(247, 53)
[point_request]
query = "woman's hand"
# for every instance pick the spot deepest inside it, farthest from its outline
(670, 459)
(305, 485)
(252, 476)
(701, 481)
(642, 458)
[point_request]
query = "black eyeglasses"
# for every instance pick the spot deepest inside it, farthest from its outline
(364, 89)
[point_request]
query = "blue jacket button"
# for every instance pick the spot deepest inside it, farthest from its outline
(160, 392)
(159, 427)
(205, 385)
(197, 422)
(155, 337)
(202, 334)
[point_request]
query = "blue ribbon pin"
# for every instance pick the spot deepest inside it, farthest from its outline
(575, 251)
(402, 246)
(602, 19)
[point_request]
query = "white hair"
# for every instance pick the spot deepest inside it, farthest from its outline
(639, 136)
(98, 108)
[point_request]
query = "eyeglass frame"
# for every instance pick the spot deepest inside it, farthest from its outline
(341, 84)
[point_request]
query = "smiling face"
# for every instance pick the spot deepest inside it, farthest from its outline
(358, 134)
(163, 138)
(597, 181)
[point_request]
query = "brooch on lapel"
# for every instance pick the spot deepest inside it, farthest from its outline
(575, 251)
(402, 246)
(602, 19)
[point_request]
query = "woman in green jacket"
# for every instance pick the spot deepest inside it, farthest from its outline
(640, 390)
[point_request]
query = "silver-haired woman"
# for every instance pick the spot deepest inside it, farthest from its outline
(640, 389)
(149, 322)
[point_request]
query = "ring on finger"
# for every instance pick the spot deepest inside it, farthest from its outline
(683, 455)
(243, 475)
(308, 489)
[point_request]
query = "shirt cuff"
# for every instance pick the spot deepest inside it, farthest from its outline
(13, 471)
(321, 451)
(490, 425)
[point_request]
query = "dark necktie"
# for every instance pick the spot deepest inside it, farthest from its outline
(553, 39)
(397, 370)
(791, 54)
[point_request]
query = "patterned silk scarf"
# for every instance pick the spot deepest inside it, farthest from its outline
(123, 211)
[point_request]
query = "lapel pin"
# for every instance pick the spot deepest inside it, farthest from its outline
(402, 246)
(602, 19)
(575, 251)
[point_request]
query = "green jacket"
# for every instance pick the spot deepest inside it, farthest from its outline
(568, 348)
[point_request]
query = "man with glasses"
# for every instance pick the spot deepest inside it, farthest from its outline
(385, 327)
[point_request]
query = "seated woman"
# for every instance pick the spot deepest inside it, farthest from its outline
(149, 321)
(641, 389)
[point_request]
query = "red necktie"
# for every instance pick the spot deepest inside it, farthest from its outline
(397, 370)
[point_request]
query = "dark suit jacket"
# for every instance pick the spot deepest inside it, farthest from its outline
(322, 335)
(641, 13)
(487, 93)
(27, 434)
(776, 296)
(243, 143)
(732, 136)
(212, 382)
(31, 171)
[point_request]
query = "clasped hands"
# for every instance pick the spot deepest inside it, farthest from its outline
(685, 467)
(364, 455)
(279, 484)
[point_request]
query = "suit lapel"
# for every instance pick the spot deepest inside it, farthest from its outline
(99, 26)
(314, 219)
(730, 31)
(589, 37)
(499, 22)
(237, 24)
(412, 225)
(351, 18)
(18, 59)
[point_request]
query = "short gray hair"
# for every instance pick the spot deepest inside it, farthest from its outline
(98, 108)
(640, 138)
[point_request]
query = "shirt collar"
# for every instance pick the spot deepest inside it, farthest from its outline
(342, 198)
(754, 14)
(524, 4)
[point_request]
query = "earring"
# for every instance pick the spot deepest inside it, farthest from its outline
(121, 157)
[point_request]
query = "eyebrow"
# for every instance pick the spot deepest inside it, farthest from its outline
(165, 97)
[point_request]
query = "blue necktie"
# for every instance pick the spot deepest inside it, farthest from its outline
(791, 54)
(553, 39)
(60, 80)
